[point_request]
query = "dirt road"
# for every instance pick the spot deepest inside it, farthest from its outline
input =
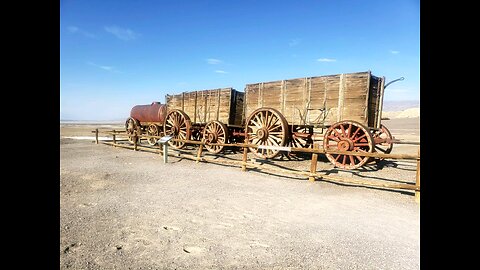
(121, 209)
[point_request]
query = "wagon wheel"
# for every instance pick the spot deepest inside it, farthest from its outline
(266, 126)
(177, 124)
(348, 136)
(380, 138)
(215, 132)
(132, 126)
(152, 130)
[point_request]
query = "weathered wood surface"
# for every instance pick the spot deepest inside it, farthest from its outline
(222, 104)
(321, 100)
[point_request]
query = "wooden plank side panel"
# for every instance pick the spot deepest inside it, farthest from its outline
(203, 105)
(271, 95)
(331, 99)
(189, 105)
(294, 92)
(174, 102)
(251, 98)
(355, 97)
(314, 100)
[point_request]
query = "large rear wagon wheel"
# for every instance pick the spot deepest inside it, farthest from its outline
(177, 124)
(348, 136)
(215, 132)
(268, 127)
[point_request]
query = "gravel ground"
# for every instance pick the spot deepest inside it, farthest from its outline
(121, 209)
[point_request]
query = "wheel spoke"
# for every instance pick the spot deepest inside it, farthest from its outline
(363, 136)
(274, 125)
(352, 161)
(343, 129)
(355, 133)
(258, 121)
(272, 141)
(276, 138)
(361, 144)
(336, 132)
(266, 119)
(333, 138)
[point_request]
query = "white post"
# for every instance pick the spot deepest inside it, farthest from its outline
(165, 152)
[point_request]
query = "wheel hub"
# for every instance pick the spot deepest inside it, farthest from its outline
(212, 137)
(262, 134)
(345, 145)
(175, 130)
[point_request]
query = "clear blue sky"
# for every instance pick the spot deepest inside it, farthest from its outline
(115, 54)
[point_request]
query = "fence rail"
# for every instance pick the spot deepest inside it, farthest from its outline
(312, 173)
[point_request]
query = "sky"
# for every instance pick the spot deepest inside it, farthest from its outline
(115, 54)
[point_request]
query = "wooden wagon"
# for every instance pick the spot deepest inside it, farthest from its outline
(214, 115)
(345, 109)
(341, 111)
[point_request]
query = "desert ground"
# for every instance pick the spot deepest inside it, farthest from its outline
(124, 209)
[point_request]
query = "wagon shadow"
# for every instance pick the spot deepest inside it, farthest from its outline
(303, 178)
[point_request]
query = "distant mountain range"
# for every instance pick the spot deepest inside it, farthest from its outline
(400, 105)
(388, 106)
(67, 121)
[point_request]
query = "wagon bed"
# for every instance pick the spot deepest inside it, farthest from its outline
(321, 101)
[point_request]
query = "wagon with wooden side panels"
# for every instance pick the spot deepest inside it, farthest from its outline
(341, 111)
(214, 116)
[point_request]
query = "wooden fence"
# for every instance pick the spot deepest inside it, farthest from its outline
(312, 173)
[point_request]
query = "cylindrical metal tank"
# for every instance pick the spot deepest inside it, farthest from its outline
(154, 112)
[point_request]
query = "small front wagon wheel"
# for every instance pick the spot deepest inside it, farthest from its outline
(152, 130)
(132, 127)
(215, 132)
(348, 136)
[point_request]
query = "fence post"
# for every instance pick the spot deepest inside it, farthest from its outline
(417, 179)
(244, 159)
(114, 140)
(96, 135)
(313, 164)
(165, 152)
(199, 154)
